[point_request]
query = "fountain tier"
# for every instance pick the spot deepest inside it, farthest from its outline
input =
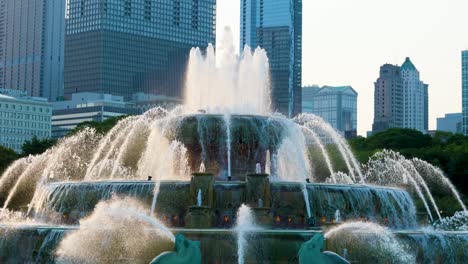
(283, 203)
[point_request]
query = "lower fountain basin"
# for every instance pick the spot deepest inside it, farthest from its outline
(38, 244)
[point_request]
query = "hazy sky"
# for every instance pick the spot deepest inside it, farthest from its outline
(345, 42)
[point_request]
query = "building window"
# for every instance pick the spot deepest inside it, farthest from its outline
(127, 7)
(147, 10)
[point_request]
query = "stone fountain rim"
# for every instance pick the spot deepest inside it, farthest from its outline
(187, 182)
(420, 231)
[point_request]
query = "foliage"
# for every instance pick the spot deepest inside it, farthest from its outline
(445, 150)
(37, 146)
(101, 127)
(7, 156)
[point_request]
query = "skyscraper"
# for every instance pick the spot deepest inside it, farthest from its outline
(388, 99)
(465, 91)
(123, 47)
(276, 26)
(336, 105)
(415, 97)
(32, 46)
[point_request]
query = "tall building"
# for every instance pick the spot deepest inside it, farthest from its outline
(336, 105)
(388, 99)
(23, 117)
(122, 47)
(450, 123)
(276, 26)
(465, 91)
(415, 98)
(32, 46)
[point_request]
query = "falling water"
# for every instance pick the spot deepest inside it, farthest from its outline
(245, 224)
(432, 172)
(391, 168)
(268, 162)
(199, 198)
(293, 162)
(324, 151)
(314, 122)
(373, 237)
(422, 182)
(227, 121)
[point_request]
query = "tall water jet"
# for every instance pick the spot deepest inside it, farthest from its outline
(245, 224)
(244, 79)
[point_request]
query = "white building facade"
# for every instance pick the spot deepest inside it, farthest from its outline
(87, 107)
(23, 117)
(415, 94)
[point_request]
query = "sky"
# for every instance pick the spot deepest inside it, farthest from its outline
(345, 43)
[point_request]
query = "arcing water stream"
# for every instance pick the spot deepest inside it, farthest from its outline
(227, 128)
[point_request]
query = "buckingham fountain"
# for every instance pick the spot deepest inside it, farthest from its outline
(223, 179)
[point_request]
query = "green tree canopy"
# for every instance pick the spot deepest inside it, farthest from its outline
(7, 156)
(37, 146)
(398, 138)
(101, 127)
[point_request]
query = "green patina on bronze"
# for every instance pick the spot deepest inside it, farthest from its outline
(186, 252)
(311, 252)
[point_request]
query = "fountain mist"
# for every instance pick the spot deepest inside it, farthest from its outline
(117, 230)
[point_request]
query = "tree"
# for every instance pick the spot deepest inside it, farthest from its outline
(101, 127)
(7, 156)
(37, 146)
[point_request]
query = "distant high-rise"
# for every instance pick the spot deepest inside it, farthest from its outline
(336, 105)
(450, 123)
(388, 99)
(32, 46)
(276, 26)
(123, 47)
(400, 98)
(465, 91)
(415, 98)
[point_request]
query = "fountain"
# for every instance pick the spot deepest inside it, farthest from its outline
(224, 170)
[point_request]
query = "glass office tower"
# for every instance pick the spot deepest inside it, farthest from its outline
(276, 26)
(32, 47)
(123, 47)
(336, 105)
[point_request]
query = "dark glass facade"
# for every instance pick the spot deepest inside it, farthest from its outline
(32, 46)
(122, 47)
(276, 26)
(465, 91)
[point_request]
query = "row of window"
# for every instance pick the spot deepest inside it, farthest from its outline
(18, 132)
(28, 108)
(22, 116)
